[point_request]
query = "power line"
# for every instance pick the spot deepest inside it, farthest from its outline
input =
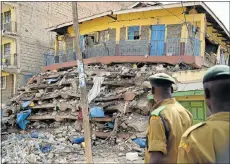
(192, 45)
(183, 20)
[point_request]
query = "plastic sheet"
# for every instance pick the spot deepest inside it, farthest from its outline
(97, 112)
(78, 140)
(26, 104)
(140, 141)
(22, 119)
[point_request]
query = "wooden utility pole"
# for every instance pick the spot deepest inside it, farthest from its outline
(82, 83)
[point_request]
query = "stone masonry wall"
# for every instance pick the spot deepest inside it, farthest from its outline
(145, 32)
(34, 40)
(123, 33)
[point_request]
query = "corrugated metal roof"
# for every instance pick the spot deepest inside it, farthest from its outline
(189, 86)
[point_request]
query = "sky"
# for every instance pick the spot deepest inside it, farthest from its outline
(220, 9)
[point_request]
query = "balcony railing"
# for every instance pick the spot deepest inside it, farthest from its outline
(168, 47)
(9, 60)
(9, 27)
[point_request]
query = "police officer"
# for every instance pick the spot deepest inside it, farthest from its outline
(208, 142)
(167, 123)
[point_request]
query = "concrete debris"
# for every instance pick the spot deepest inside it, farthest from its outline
(54, 98)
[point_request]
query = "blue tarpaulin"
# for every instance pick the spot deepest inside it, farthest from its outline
(97, 112)
(34, 134)
(22, 119)
(140, 141)
(26, 104)
(78, 140)
(45, 148)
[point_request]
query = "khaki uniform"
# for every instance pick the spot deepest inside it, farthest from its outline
(207, 141)
(178, 120)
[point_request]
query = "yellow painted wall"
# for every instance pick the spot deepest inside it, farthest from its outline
(190, 75)
(5, 40)
(160, 16)
(6, 8)
(12, 42)
(4, 73)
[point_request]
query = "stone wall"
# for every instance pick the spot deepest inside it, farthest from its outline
(134, 48)
(112, 34)
(145, 32)
(107, 49)
(34, 40)
(123, 33)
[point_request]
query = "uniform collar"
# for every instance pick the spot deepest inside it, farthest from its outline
(165, 102)
(220, 116)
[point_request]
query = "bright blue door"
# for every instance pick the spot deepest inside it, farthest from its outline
(157, 40)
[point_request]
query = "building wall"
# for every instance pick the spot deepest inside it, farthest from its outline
(8, 92)
(145, 20)
(32, 40)
(189, 76)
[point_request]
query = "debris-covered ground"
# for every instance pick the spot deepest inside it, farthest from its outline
(50, 104)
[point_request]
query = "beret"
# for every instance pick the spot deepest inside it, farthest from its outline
(162, 77)
(216, 72)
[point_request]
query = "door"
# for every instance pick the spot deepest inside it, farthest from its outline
(157, 40)
(197, 109)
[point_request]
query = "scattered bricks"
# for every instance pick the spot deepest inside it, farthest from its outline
(129, 96)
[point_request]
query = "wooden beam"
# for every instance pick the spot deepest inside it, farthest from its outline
(114, 18)
(82, 84)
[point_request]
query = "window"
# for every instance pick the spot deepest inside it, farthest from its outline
(3, 82)
(134, 33)
(6, 49)
(103, 36)
(91, 39)
(6, 17)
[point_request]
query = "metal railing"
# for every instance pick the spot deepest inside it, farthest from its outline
(9, 27)
(167, 47)
(9, 59)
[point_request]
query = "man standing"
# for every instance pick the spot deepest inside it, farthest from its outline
(167, 123)
(208, 142)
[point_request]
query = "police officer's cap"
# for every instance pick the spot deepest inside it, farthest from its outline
(216, 73)
(161, 77)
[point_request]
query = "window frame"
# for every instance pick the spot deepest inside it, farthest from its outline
(4, 84)
(4, 48)
(105, 36)
(128, 33)
(9, 15)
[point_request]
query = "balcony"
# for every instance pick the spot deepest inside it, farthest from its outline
(9, 28)
(169, 47)
(9, 61)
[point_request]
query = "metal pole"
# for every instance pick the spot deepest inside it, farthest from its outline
(82, 83)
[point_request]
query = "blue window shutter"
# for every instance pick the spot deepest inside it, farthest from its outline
(131, 33)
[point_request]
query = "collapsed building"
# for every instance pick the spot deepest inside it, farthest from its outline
(117, 96)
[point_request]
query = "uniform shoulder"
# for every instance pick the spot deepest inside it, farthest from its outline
(158, 110)
(193, 128)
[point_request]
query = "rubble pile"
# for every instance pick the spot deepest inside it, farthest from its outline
(55, 146)
(55, 95)
(118, 108)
